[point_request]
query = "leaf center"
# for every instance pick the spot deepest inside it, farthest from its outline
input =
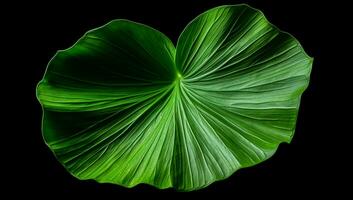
(179, 76)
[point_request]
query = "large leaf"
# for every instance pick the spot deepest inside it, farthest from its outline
(124, 106)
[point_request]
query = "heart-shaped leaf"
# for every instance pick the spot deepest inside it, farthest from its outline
(124, 106)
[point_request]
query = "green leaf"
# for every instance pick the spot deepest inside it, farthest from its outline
(124, 106)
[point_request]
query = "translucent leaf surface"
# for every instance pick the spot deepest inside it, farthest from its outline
(124, 106)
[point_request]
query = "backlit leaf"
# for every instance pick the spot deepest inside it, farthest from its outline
(124, 106)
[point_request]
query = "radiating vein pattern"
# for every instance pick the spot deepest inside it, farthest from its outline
(124, 106)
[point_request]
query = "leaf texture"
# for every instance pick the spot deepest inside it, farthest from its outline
(124, 106)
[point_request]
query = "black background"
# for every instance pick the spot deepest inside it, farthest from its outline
(309, 165)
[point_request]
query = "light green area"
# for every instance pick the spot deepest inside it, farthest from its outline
(124, 106)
